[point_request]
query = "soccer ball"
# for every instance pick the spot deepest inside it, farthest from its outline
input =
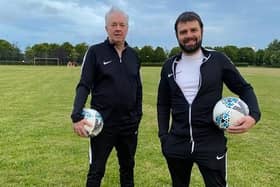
(228, 110)
(95, 119)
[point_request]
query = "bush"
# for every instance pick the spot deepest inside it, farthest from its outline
(241, 64)
(155, 64)
(11, 62)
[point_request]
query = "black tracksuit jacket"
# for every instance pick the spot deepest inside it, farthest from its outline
(192, 128)
(114, 83)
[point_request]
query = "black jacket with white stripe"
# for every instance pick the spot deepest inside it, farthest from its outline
(114, 83)
(191, 125)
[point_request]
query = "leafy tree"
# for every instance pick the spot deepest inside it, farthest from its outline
(274, 45)
(272, 57)
(272, 53)
(73, 55)
(146, 54)
(66, 52)
(81, 49)
(159, 55)
(266, 57)
(9, 51)
(247, 54)
(260, 57)
(16, 53)
(29, 54)
(275, 58)
(41, 50)
(66, 49)
(53, 51)
(174, 51)
(232, 52)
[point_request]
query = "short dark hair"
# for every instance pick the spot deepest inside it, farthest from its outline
(188, 16)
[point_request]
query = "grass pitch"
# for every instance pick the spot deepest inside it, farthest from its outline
(39, 148)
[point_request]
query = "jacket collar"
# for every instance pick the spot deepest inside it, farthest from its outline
(107, 42)
(205, 52)
(176, 58)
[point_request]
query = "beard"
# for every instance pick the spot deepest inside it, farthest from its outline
(190, 48)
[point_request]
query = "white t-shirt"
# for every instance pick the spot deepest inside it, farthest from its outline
(188, 74)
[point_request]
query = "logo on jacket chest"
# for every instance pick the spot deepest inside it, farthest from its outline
(171, 74)
(107, 62)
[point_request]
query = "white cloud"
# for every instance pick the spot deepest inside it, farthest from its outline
(151, 22)
(58, 20)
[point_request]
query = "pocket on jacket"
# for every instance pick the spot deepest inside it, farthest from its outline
(163, 138)
(179, 114)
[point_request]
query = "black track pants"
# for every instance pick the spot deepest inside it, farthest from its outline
(100, 149)
(180, 171)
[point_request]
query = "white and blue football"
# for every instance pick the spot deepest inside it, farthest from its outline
(95, 119)
(228, 111)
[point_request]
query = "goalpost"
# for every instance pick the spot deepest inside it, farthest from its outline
(45, 61)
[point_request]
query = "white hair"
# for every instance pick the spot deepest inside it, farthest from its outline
(114, 10)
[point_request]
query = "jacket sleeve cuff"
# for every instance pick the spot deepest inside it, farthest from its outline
(76, 117)
(163, 138)
(256, 116)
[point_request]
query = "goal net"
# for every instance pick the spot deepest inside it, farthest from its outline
(45, 61)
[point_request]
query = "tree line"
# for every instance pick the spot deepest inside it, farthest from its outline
(66, 52)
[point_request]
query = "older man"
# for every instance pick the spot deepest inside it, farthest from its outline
(110, 71)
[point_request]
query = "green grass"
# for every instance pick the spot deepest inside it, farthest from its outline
(38, 146)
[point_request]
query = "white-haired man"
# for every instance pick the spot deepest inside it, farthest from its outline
(110, 71)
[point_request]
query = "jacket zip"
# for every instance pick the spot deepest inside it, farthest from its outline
(190, 105)
(190, 115)
(190, 122)
(120, 57)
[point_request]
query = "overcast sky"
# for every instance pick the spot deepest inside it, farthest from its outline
(244, 23)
